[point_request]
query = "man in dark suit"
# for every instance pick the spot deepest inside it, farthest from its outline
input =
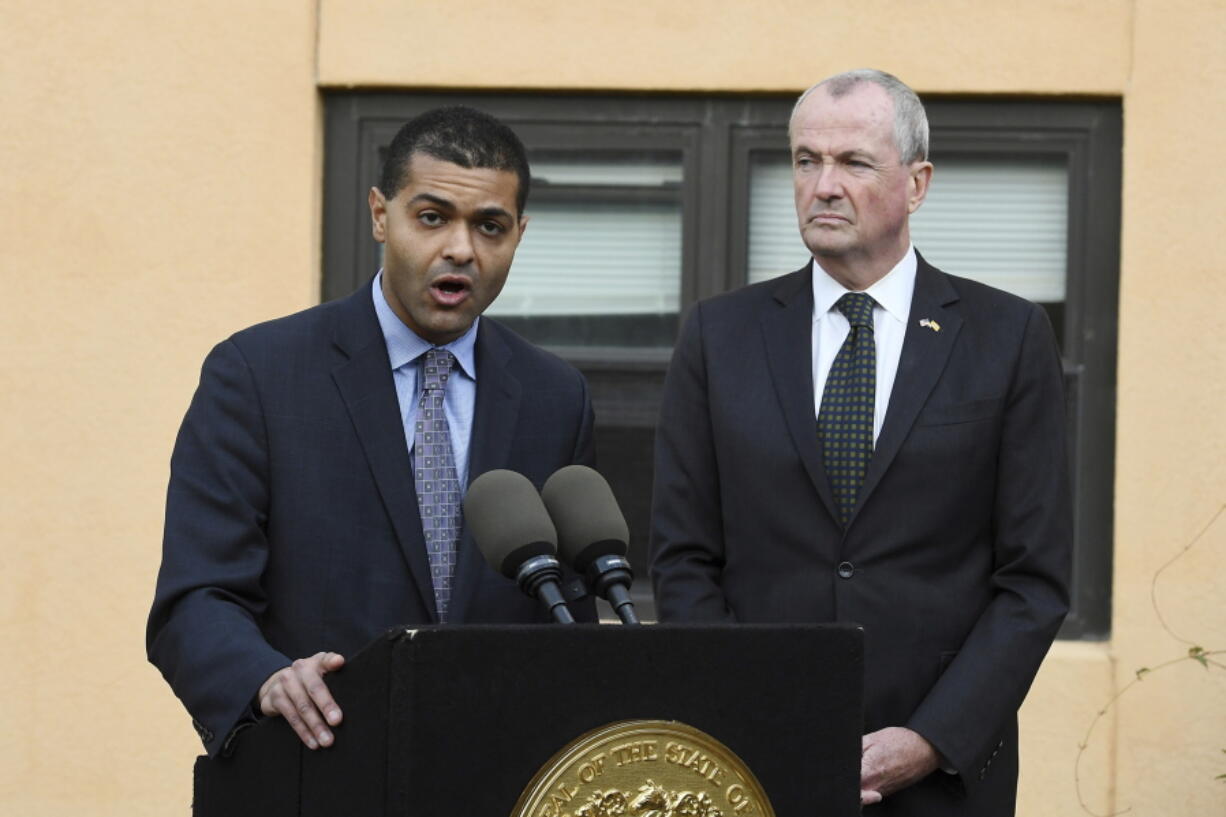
(317, 445)
(871, 440)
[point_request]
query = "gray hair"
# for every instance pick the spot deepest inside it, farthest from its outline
(910, 120)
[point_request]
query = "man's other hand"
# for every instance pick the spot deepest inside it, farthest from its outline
(298, 694)
(892, 759)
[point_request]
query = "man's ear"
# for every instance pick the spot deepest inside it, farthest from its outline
(378, 214)
(921, 177)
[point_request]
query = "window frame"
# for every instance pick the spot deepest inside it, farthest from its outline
(716, 135)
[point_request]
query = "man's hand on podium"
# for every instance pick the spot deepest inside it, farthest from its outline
(298, 694)
(892, 759)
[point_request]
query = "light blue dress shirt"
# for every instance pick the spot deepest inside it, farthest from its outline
(406, 350)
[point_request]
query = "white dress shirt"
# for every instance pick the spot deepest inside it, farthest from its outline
(830, 328)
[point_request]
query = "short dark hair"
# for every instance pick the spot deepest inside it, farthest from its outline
(461, 135)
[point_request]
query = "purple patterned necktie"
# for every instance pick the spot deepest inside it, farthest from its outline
(434, 476)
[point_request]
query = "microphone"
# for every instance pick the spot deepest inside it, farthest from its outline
(515, 535)
(592, 534)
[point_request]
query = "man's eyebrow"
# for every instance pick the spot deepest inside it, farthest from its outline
(432, 199)
(809, 149)
(447, 204)
(842, 155)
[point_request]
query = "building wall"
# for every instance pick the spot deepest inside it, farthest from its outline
(1171, 446)
(160, 189)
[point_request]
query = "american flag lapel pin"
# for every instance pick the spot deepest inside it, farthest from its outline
(931, 324)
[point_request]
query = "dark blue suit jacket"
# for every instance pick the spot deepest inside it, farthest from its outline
(291, 517)
(956, 561)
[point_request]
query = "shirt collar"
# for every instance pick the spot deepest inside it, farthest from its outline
(404, 346)
(893, 292)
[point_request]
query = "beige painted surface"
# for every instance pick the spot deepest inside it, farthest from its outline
(159, 177)
(1072, 686)
(159, 185)
(1172, 430)
(1047, 46)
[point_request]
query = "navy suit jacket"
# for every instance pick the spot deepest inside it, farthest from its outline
(291, 516)
(956, 559)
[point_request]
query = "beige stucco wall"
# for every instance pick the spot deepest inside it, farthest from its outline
(722, 45)
(159, 187)
(159, 184)
(1171, 476)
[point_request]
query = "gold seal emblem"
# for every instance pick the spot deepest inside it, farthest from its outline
(644, 769)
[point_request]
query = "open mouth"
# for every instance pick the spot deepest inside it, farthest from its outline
(450, 290)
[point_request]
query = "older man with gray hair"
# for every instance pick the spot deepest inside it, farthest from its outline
(871, 440)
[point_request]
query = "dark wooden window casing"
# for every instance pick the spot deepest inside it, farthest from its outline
(715, 137)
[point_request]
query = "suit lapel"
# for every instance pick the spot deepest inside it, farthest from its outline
(494, 421)
(788, 332)
(924, 354)
(366, 386)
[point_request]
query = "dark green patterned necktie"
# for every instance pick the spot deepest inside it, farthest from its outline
(845, 420)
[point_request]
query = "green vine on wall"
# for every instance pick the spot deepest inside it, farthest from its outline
(1195, 652)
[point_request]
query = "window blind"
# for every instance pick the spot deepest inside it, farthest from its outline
(606, 255)
(1002, 221)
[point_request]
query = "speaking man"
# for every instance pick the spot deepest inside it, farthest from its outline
(871, 440)
(315, 485)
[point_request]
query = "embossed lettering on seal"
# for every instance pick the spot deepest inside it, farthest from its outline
(644, 768)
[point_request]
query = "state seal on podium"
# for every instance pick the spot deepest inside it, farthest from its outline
(644, 768)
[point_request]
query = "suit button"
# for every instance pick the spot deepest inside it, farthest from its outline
(846, 569)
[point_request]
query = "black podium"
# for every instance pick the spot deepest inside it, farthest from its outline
(446, 721)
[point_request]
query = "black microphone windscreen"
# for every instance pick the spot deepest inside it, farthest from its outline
(588, 520)
(508, 521)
